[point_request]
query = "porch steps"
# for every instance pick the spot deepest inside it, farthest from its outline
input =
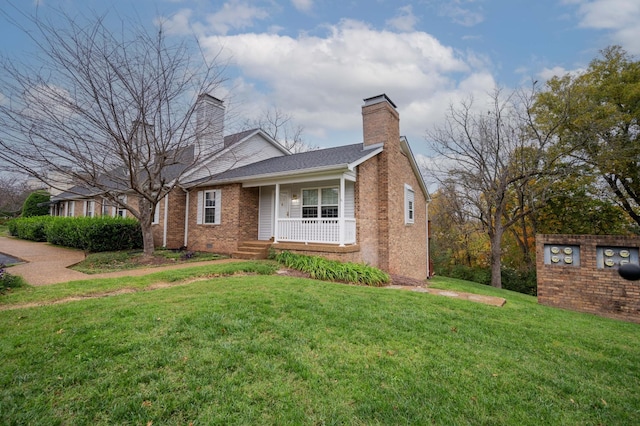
(252, 250)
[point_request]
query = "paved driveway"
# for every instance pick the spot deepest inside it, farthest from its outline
(48, 264)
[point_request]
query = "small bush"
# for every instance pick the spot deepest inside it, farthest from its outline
(30, 207)
(331, 270)
(8, 281)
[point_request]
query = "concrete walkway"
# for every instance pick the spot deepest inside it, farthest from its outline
(46, 264)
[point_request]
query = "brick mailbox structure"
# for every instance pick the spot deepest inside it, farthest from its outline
(580, 273)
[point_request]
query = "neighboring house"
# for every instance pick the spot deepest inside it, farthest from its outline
(365, 202)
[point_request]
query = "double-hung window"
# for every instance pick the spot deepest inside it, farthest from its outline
(209, 207)
(156, 214)
(89, 208)
(320, 202)
(106, 207)
(121, 211)
(409, 204)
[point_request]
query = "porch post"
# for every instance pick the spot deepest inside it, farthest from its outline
(276, 213)
(341, 211)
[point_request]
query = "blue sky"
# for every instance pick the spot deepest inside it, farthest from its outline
(317, 59)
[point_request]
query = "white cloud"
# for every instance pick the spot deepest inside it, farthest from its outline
(460, 13)
(235, 15)
(405, 20)
(548, 73)
(321, 80)
(302, 5)
(178, 23)
(620, 17)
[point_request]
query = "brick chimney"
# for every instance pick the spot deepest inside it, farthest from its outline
(380, 121)
(209, 124)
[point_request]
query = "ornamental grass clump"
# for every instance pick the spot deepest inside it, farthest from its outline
(331, 270)
(7, 280)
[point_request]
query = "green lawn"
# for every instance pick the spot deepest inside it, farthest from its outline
(283, 350)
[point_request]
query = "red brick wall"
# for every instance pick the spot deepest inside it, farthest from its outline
(239, 220)
(587, 288)
(401, 247)
(407, 242)
(175, 220)
(366, 211)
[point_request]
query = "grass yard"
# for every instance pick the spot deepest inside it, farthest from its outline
(284, 350)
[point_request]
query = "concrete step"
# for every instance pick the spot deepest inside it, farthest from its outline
(252, 250)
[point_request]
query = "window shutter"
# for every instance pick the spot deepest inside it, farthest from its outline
(86, 207)
(200, 207)
(218, 198)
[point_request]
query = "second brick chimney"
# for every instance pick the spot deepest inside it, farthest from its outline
(380, 121)
(209, 123)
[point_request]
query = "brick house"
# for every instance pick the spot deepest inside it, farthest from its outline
(365, 202)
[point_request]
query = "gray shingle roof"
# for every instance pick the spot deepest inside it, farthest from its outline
(291, 164)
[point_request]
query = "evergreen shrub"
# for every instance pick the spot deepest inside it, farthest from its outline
(93, 234)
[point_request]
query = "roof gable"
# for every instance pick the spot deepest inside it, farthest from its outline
(238, 149)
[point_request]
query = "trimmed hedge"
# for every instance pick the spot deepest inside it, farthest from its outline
(331, 270)
(92, 234)
(29, 228)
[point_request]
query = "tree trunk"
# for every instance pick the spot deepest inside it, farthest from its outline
(496, 256)
(146, 219)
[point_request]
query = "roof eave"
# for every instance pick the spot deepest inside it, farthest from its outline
(404, 145)
(315, 170)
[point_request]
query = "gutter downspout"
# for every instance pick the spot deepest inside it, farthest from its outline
(341, 223)
(166, 220)
(186, 220)
(428, 231)
(276, 213)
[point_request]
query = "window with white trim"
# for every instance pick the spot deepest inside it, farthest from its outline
(209, 207)
(89, 208)
(409, 204)
(121, 210)
(71, 208)
(322, 200)
(106, 207)
(156, 214)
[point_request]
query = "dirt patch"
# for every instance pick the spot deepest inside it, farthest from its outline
(406, 281)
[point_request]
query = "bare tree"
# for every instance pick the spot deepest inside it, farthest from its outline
(491, 154)
(110, 109)
(12, 195)
(281, 127)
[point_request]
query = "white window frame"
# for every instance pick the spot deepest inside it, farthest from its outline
(71, 208)
(409, 205)
(156, 214)
(319, 204)
(120, 209)
(106, 207)
(214, 195)
(89, 208)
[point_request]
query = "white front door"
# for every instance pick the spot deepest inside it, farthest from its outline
(285, 205)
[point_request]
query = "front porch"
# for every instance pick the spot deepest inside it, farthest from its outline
(318, 211)
(316, 231)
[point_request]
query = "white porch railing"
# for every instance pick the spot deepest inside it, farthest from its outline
(326, 231)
